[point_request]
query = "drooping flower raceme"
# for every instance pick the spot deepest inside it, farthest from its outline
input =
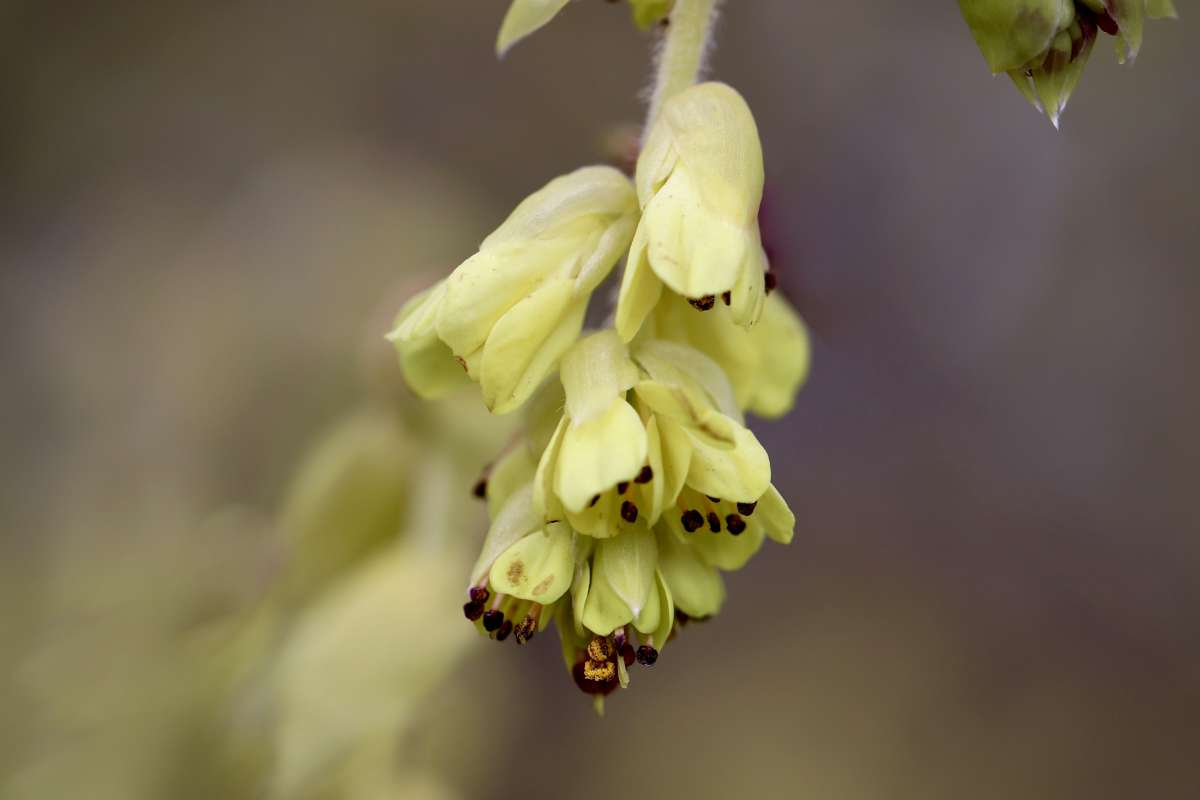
(649, 486)
(635, 482)
(509, 312)
(699, 181)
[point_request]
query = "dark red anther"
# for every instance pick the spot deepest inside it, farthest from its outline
(714, 522)
(479, 594)
(492, 620)
(691, 520)
(746, 509)
(504, 631)
(525, 629)
(629, 512)
(627, 654)
(646, 655)
(1107, 24)
(735, 524)
(595, 500)
(622, 487)
(703, 303)
(770, 282)
(473, 610)
(645, 476)
(589, 686)
(480, 489)
(726, 297)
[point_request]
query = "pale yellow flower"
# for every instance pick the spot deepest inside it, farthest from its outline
(699, 181)
(510, 311)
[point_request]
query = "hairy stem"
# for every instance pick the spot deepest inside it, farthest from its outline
(682, 53)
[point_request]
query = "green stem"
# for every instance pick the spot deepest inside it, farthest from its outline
(682, 53)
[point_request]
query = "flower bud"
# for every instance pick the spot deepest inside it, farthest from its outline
(699, 181)
(1043, 45)
(510, 311)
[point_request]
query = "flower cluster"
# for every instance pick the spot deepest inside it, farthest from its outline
(1043, 45)
(634, 482)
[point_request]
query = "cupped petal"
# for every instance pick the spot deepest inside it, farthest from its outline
(782, 342)
(595, 373)
(626, 564)
(515, 521)
(680, 365)
(538, 567)
(680, 405)
(716, 141)
(741, 473)
(527, 343)
(427, 363)
(696, 587)
(546, 504)
(726, 551)
(692, 249)
(777, 519)
(598, 454)
(640, 289)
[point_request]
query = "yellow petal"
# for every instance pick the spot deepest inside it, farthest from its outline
(515, 521)
(741, 473)
(640, 289)
(598, 454)
(693, 250)
(538, 568)
(687, 367)
(784, 358)
(678, 404)
(777, 519)
(696, 587)
(546, 504)
(595, 373)
(526, 344)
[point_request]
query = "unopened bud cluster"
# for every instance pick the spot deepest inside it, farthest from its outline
(1043, 45)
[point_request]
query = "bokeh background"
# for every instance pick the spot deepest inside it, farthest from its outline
(208, 213)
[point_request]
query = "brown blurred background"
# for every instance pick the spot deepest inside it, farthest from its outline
(208, 210)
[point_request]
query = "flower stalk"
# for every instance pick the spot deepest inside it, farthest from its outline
(682, 55)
